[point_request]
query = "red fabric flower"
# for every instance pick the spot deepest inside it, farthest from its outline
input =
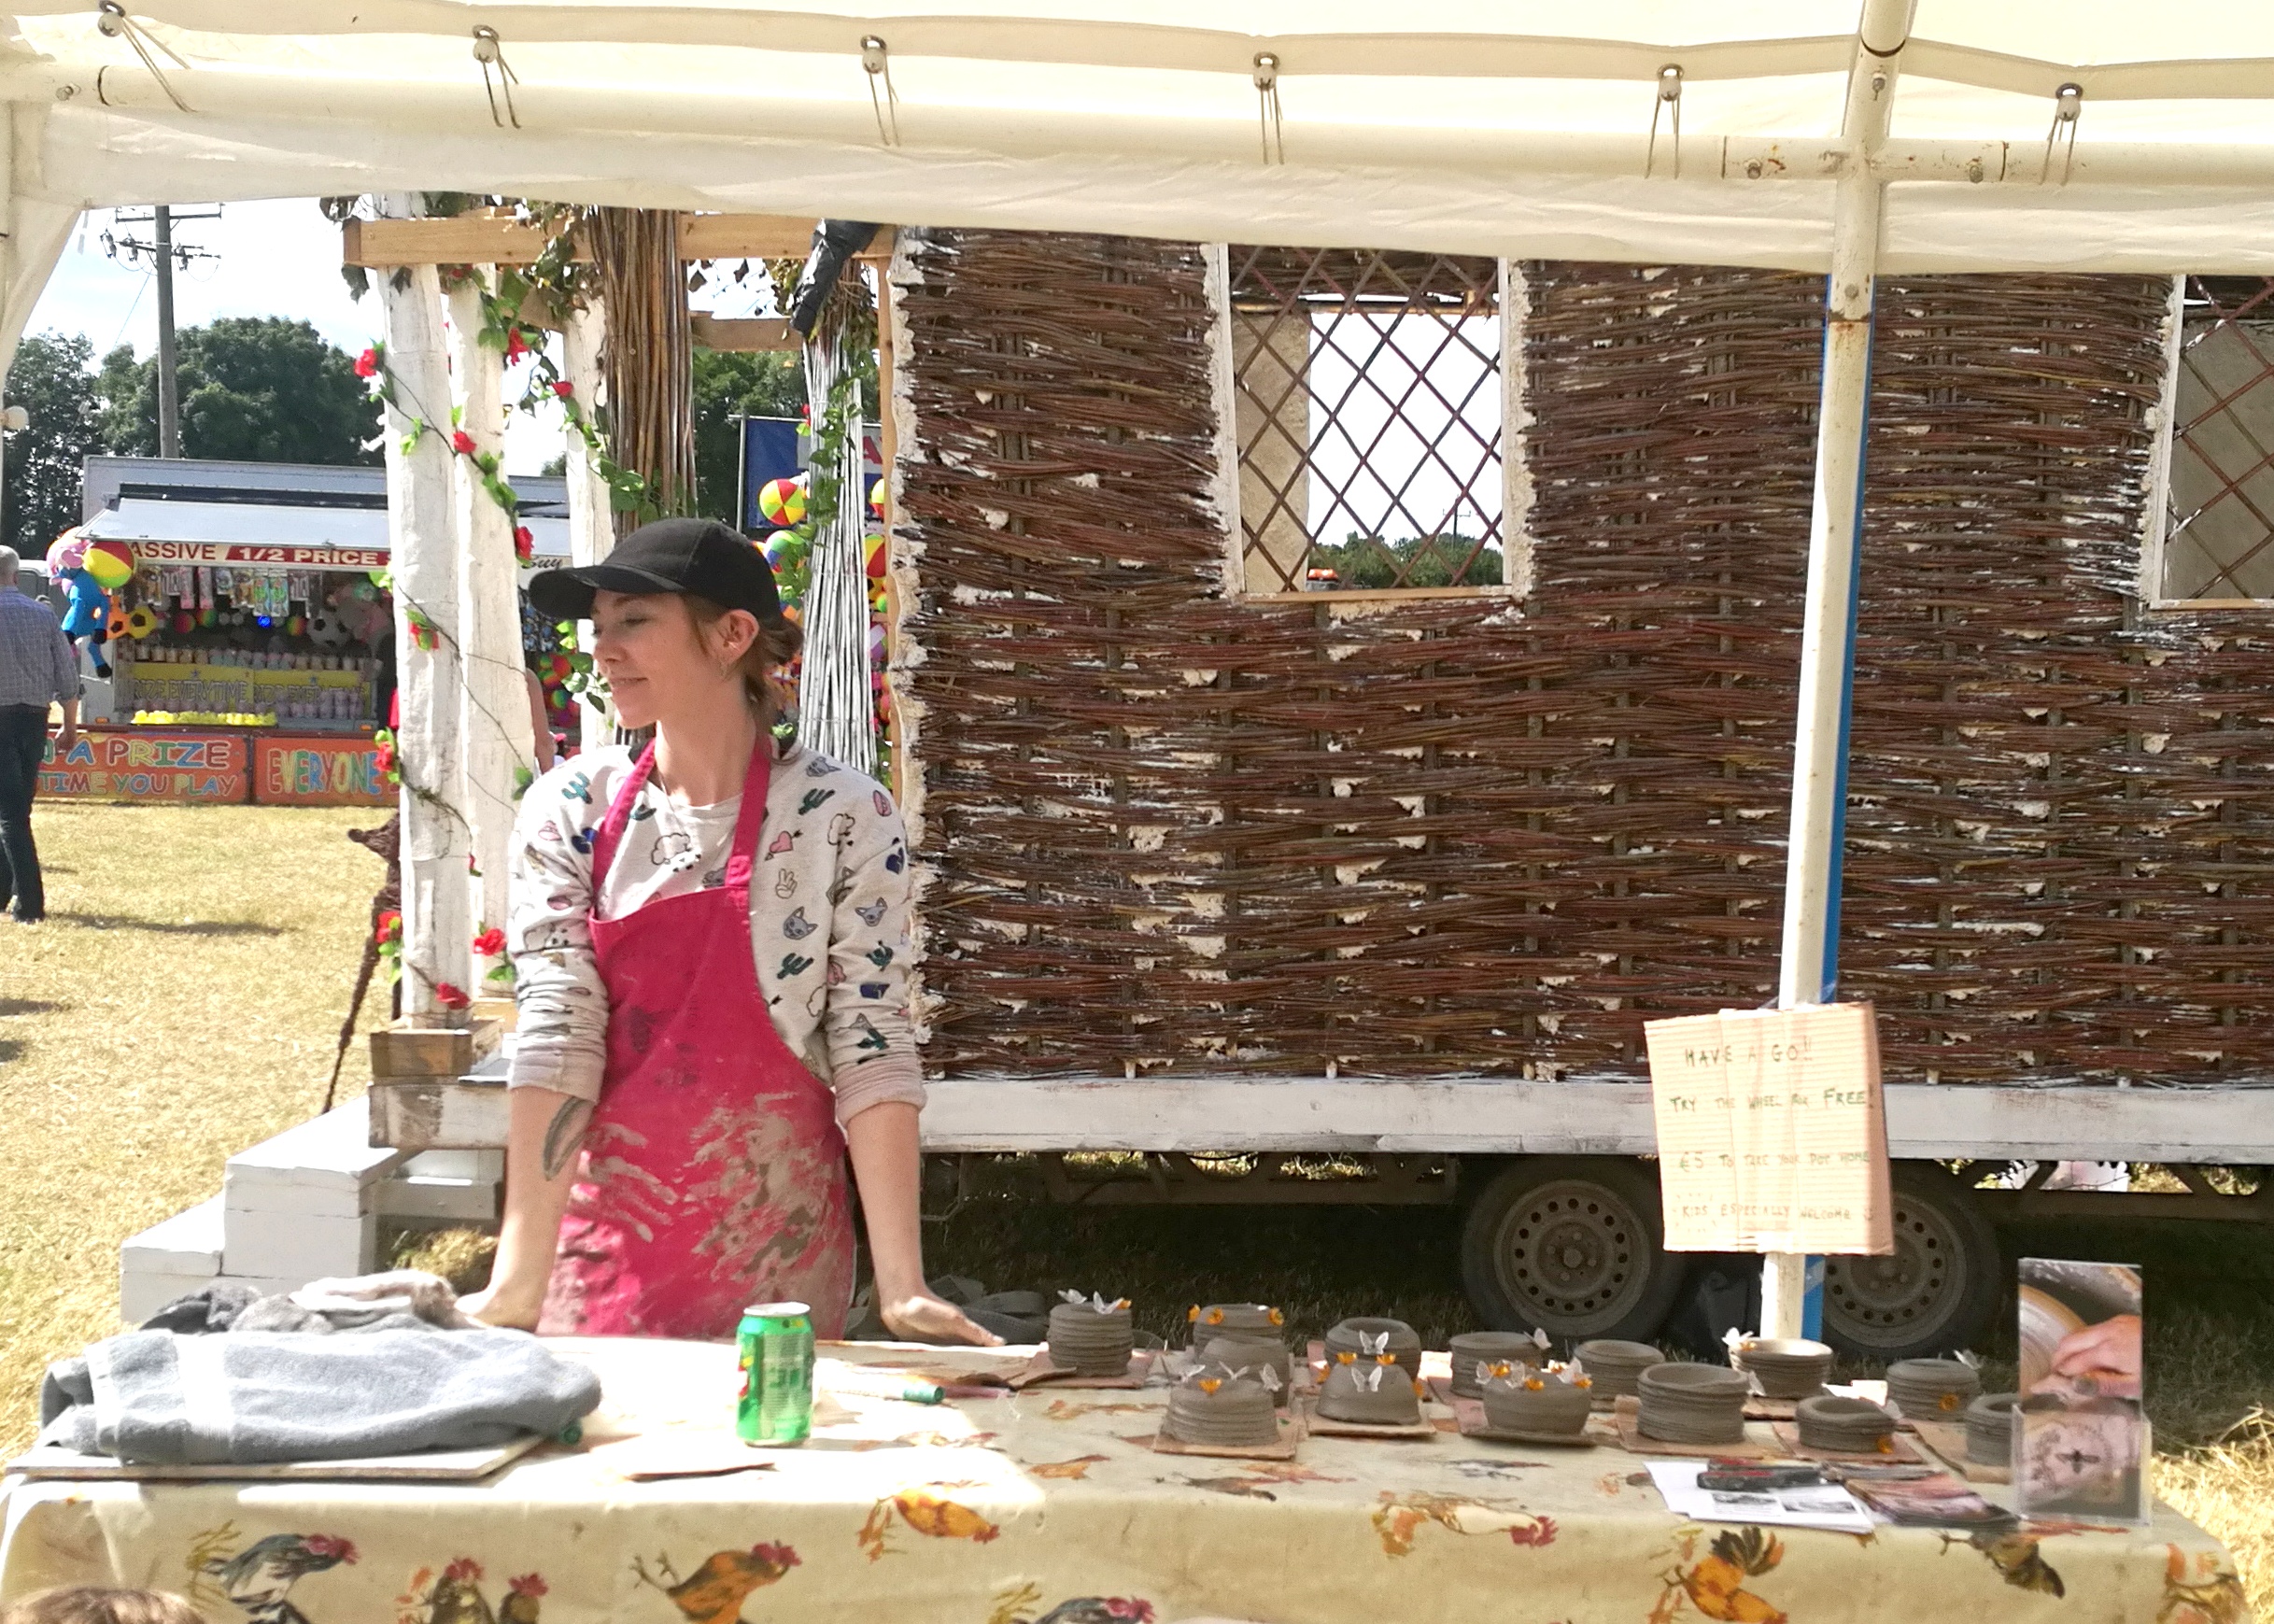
(367, 364)
(449, 997)
(389, 928)
(514, 348)
(491, 943)
(562, 388)
(525, 545)
(463, 443)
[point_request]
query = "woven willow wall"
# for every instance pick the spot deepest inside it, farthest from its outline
(1165, 828)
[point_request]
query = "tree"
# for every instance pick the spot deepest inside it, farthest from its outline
(727, 385)
(53, 379)
(1372, 562)
(254, 388)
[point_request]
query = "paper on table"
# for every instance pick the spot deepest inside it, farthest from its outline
(1820, 1505)
(1771, 1131)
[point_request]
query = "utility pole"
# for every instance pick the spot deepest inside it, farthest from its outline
(169, 400)
(164, 260)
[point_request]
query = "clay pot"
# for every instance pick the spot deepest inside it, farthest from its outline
(1785, 1368)
(1404, 1341)
(1238, 1353)
(1390, 1401)
(1989, 1429)
(1617, 1366)
(1845, 1426)
(1555, 1407)
(1237, 1414)
(1933, 1389)
(1692, 1403)
(1095, 1344)
(1237, 1320)
(1489, 1347)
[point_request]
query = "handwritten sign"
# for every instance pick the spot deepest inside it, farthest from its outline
(1773, 1137)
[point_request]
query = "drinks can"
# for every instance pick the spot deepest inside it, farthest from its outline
(775, 1350)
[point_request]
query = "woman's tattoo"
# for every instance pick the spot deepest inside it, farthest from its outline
(564, 1134)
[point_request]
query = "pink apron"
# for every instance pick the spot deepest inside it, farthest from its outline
(714, 1172)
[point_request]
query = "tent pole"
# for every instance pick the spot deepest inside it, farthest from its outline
(1808, 963)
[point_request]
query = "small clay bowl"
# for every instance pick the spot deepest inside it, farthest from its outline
(1786, 1368)
(1989, 1429)
(1237, 1320)
(1488, 1348)
(1404, 1341)
(1692, 1403)
(1239, 1352)
(1391, 1401)
(1555, 1407)
(1842, 1426)
(1615, 1366)
(1237, 1415)
(1933, 1389)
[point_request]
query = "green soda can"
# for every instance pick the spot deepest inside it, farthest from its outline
(776, 1342)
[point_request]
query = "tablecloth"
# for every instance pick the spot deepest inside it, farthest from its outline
(1048, 1508)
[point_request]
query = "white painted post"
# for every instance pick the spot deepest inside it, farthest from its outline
(495, 735)
(1809, 959)
(836, 709)
(591, 522)
(422, 556)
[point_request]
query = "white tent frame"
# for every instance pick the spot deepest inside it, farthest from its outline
(1150, 128)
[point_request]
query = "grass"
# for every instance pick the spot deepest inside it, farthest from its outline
(182, 1001)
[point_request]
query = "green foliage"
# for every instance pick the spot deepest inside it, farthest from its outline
(728, 385)
(1370, 562)
(257, 388)
(53, 379)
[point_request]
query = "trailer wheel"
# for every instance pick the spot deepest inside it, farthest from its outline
(1569, 1246)
(1936, 1293)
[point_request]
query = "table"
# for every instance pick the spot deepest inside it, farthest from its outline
(1047, 1508)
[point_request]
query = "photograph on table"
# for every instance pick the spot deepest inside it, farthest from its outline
(2080, 1435)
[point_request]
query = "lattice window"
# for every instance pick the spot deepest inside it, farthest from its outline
(1366, 397)
(2219, 519)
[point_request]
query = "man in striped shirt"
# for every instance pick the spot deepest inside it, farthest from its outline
(36, 665)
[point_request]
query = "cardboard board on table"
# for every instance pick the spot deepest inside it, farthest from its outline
(1043, 1371)
(1771, 1131)
(1900, 1451)
(1291, 1435)
(1948, 1440)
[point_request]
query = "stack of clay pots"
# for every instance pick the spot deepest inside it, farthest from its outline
(1092, 1337)
(1842, 1426)
(1367, 1337)
(1989, 1429)
(1617, 1366)
(1538, 1404)
(1225, 1410)
(1692, 1403)
(1368, 1393)
(1485, 1350)
(1785, 1368)
(1933, 1389)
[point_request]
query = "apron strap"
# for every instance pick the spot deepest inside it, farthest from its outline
(750, 822)
(611, 833)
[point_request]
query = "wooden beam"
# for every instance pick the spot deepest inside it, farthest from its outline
(499, 239)
(755, 333)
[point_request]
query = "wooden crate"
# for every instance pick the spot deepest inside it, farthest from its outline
(405, 1051)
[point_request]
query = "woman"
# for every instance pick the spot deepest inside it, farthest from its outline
(699, 936)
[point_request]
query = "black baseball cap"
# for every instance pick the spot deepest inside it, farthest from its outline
(701, 557)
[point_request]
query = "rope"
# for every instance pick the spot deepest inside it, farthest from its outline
(1267, 107)
(112, 22)
(2067, 106)
(1669, 94)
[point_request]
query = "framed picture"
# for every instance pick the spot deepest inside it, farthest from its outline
(2081, 1440)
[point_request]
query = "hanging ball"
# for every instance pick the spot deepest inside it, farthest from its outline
(111, 564)
(184, 623)
(295, 625)
(141, 621)
(876, 495)
(873, 557)
(782, 502)
(115, 626)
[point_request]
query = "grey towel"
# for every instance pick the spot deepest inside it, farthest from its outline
(157, 1398)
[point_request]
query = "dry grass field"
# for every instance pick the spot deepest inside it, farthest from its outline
(184, 997)
(181, 1002)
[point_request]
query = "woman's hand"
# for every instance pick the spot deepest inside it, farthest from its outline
(920, 1317)
(494, 1305)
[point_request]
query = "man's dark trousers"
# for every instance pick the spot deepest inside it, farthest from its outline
(23, 740)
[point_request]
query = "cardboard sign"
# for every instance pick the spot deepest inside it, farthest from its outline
(149, 767)
(320, 772)
(1771, 1133)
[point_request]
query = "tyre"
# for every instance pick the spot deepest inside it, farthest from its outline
(1569, 1245)
(1938, 1292)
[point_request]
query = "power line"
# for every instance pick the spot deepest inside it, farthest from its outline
(163, 255)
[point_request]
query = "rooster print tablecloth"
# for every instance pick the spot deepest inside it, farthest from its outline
(1047, 1508)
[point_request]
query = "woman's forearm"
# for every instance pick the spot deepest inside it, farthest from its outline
(889, 1169)
(545, 1131)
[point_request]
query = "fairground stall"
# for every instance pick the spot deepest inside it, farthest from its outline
(253, 636)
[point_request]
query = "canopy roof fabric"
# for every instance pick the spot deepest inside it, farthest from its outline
(259, 528)
(1484, 126)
